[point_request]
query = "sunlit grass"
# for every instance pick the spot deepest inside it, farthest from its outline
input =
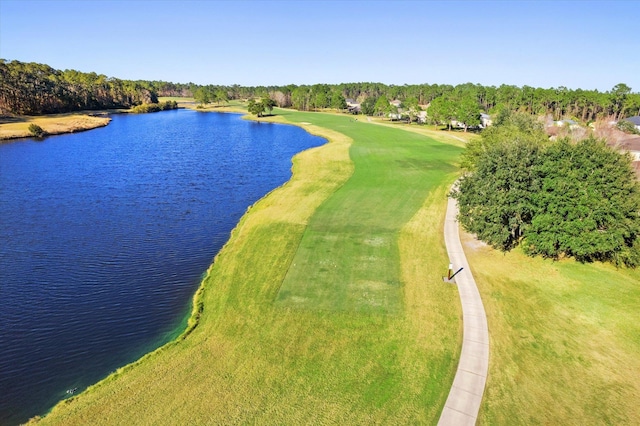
(178, 99)
(565, 345)
(53, 124)
(565, 336)
(348, 257)
(250, 360)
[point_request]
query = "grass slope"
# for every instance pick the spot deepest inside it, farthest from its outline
(254, 357)
(565, 339)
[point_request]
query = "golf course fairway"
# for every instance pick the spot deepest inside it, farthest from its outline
(326, 305)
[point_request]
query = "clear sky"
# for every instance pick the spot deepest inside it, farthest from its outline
(576, 44)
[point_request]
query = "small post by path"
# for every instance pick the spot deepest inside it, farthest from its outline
(450, 278)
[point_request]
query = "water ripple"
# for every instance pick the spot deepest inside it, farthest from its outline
(105, 235)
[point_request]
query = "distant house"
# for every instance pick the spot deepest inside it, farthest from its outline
(632, 146)
(635, 120)
(352, 106)
(565, 122)
(396, 103)
(456, 124)
(485, 120)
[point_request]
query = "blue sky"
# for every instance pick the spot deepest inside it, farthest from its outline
(576, 44)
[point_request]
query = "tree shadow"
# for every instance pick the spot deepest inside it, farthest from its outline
(7, 120)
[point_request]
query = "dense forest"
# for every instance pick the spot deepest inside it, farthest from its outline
(30, 88)
(585, 105)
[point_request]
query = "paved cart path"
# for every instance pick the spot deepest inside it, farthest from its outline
(464, 399)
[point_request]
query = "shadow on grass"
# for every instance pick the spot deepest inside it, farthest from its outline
(8, 119)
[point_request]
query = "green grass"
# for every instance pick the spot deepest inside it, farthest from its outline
(565, 345)
(284, 338)
(348, 258)
(254, 358)
(175, 98)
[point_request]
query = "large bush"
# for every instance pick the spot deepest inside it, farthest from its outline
(154, 107)
(557, 199)
(587, 206)
(496, 200)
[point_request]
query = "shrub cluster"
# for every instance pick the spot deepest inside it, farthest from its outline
(556, 199)
(36, 131)
(144, 108)
(627, 127)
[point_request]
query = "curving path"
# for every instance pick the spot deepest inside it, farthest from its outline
(464, 399)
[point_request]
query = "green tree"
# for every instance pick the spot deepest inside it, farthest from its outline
(381, 106)
(508, 128)
(587, 206)
(222, 96)
(442, 110)
(338, 101)
(368, 106)
(300, 98)
(557, 199)
(411, 108)
(201, 95)
(320, 96)
(268, 104)
(496, 200)
(320, 100)
(255, 108)
(467, 111)
(619, 95)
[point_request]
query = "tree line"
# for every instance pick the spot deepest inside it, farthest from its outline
(30, 88)
(462, 103)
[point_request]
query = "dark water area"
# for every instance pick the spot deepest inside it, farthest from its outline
(105, 235)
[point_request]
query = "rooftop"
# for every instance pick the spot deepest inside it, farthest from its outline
(635, 119)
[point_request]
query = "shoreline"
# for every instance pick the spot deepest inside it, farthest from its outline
(239, 274)
(192, 316)
(15, 128)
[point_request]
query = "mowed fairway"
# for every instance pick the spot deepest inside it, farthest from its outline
(348, 258)
(326, 306)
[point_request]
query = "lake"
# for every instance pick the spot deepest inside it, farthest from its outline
(105, 236)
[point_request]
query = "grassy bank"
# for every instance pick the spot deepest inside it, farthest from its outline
(257, 356)
(18, 127)
(565, 339)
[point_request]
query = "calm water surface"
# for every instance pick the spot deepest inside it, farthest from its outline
(104, 237)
